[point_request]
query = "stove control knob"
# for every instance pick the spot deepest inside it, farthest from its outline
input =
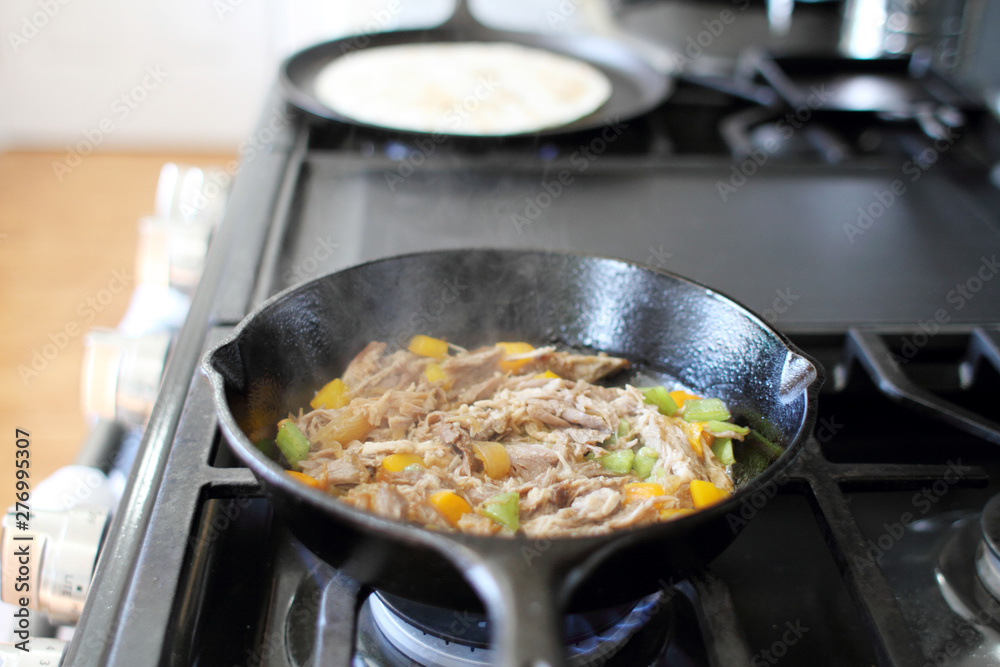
(48, 560)
(121, 374)
(43, 652)
(171, 253)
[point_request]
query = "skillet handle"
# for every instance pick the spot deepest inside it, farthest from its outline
(524, 601)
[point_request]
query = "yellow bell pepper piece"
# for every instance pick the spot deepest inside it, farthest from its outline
(548, 375)
(705, 493)
(639, 491)
(426, 346)
(706, 439)
(674, 513)
(512, 349)
(397, 462)
(333, 396)
(434, 373)
(308, 480)
(451, 505)
(694, 438)
(680, 396)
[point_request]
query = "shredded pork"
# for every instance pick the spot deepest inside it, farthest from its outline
(543, 406)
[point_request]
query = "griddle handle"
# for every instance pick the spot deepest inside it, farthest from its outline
(868, 348)
(524, 601)
(462, 20)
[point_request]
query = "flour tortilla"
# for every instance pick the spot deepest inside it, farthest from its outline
(478, 89)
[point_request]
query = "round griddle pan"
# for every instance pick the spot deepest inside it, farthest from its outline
(667, 326)
(637, 84)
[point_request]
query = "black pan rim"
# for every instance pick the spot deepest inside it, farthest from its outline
(270, 474)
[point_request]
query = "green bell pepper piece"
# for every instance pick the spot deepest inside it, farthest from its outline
(619, 461)
(292, 443)
(705, 409)
(659, 475)
(503, 508)
(725, 427)
(620, 432)
(644, 461)
(723, 450)
(660, 397)
(266, 445)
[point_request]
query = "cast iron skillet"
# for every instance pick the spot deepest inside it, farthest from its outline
(668, 326)
(639, 74)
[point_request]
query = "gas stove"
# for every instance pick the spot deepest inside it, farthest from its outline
(874, 549)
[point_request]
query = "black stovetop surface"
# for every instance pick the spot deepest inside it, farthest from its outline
(899, 227)
(903, 315)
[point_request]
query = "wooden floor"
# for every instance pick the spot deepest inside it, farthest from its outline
(67, 241)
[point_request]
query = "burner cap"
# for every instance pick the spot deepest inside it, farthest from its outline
(988, 558)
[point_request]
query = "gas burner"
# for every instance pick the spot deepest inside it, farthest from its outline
(944, 572)
(392, 632)
(988, 556)
(433, 636)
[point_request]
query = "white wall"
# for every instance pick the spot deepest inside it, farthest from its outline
(173, 74)
(163, 74)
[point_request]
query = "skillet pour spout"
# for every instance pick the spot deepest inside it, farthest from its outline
(667, 326)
